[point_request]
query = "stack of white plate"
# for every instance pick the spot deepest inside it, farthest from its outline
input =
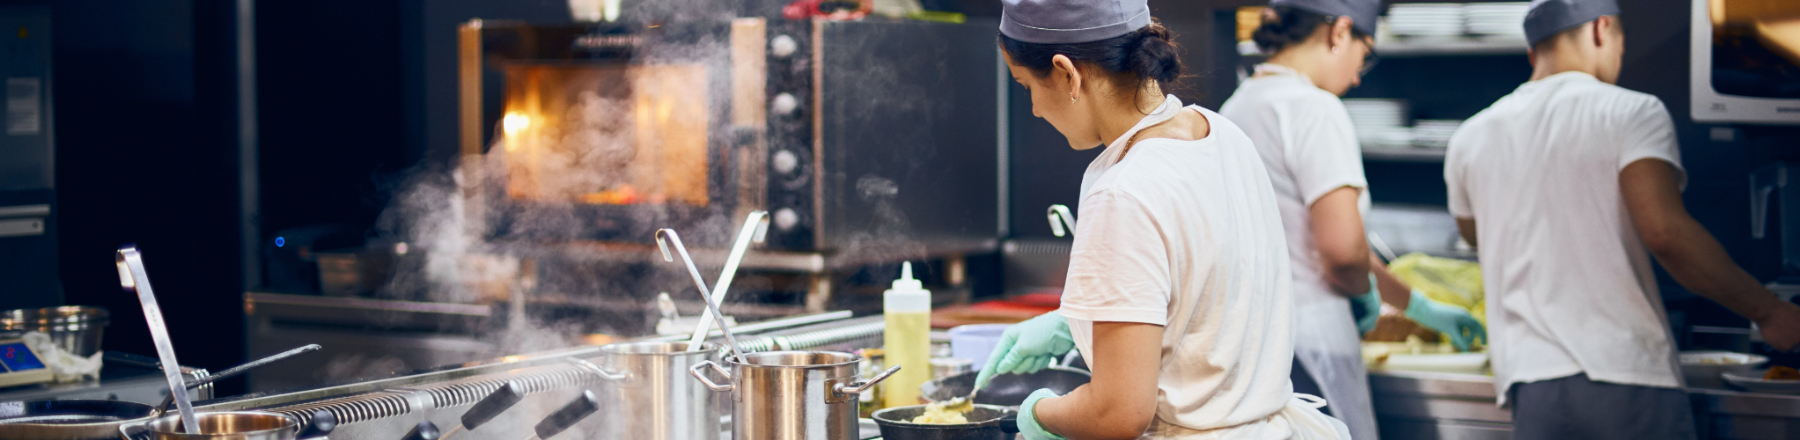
(1434, 133)
(1427, 20)
(1379, 122)
(1497, 19)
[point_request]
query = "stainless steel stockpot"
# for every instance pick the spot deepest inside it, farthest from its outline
(808, 395)
(649, 399)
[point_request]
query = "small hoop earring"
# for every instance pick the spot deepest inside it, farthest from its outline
(1071, 98)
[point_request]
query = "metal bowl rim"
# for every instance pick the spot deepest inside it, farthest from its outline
(293, 424)
(615, 348)
(735, 361)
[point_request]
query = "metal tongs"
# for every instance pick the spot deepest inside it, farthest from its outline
(663, 237)
(1060, 212)
(756, 228)
(133, 278)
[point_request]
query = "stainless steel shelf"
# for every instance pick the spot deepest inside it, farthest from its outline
(1412, 48)
(1414, 154)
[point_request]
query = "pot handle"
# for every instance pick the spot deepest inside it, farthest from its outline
(134, 431)
(695, 371)
(864, 386)
(589, 366)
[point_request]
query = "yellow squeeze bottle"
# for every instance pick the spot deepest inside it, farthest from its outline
(907, 339)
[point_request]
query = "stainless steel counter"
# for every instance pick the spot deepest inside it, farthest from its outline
(1425, 405)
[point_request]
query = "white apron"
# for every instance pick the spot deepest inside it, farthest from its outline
(1299, 420)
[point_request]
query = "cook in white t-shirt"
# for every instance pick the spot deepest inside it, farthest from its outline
(1185, 235)
(1567, 186)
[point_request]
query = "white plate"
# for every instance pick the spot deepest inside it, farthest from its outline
(1756, 384)
(1448, 363)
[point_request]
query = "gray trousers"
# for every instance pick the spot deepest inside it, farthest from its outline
(1577, 408)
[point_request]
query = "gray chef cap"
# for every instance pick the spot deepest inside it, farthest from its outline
(1071, 21)
(1547, 17)
(1362, 13)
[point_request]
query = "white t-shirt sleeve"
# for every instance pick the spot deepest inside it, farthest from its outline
(1322, 152)
(1649, 133)
(1119, 266)
(1458, 192)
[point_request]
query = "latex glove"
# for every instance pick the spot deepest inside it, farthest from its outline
(1446, 318)
(1027, 347)
(1371, 305)
(1028, 424)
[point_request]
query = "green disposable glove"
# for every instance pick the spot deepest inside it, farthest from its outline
(1028, 424)
(1371, 305)
(1462, 327)
(1027, 347)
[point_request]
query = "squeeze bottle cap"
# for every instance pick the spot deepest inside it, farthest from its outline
(907, 294)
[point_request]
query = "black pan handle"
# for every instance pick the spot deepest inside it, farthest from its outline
(509, 394)
(1009, 423)
(323, 422)
(563, 418)
(425, 431)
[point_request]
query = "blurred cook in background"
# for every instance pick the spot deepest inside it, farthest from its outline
(1567, 186)
(1319, 49)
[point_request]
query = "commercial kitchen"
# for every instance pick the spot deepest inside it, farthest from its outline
(781, 219)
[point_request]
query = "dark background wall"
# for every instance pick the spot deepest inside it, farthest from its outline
(144, 156)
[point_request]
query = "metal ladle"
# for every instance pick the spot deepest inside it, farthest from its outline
(234, 371)
(133, 278)
(663, 237)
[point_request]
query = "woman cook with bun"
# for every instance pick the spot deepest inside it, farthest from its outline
(1178, 287)
(1319, 50)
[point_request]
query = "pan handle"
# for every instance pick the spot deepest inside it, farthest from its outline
(695, 371)
(864, 386)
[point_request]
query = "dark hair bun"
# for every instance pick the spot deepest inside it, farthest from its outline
(1284, 26)
(1149, 53)
(1155, 56)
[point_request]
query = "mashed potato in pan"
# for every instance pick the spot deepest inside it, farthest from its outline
(939, 414)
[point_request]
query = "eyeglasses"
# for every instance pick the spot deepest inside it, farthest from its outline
(1370, 59)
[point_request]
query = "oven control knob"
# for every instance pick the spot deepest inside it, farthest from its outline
(782, 46)
(784, 162)
(784, 104)
(786, 219)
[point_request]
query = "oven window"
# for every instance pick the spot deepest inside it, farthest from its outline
(1756, 47)
(606, 134)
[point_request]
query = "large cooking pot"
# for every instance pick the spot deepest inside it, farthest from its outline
(986, 422)
(791, 395)
(229, 425)
(69, 419)
(651, 398)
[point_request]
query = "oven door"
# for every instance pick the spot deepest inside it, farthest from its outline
(606, 133)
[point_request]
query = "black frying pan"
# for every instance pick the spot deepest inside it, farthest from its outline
(986, 422)
(1007, 390)
(69, 419)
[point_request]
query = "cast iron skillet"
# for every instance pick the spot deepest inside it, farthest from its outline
(986, 422)
(69, 419)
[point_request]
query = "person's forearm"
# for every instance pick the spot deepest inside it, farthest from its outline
(1697, 261)
(1120, 400)
(1394, 292)
(1082, 415)
(1349, 280)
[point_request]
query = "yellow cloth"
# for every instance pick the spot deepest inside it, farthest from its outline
(1450, 281)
